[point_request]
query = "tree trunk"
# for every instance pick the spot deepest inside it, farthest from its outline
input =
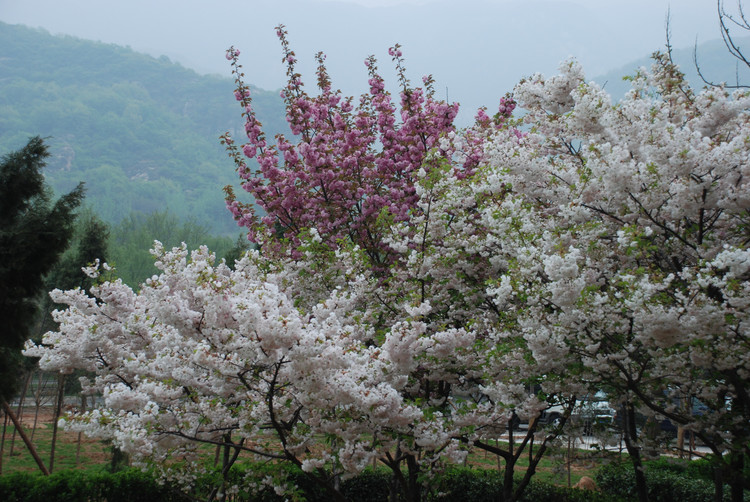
(37, 403)
(510, 466)
(499, 458)
(58, 411)
(217, 455)
(570, 460)
(687, 405)
(230, 452)
(415, 488)
(19, 412)
(634, 451)
(736, 481)
(508, 479)
(393, 489)
(2, 442)
(718, 483)
(530, 471)
(531, 444)
(406, 488)
(78, 446)
(24, 437)
(681, 441)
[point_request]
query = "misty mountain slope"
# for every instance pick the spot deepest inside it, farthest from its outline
(141, 132)
(716, 65)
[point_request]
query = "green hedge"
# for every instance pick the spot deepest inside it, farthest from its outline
(538, 491)
(469, 485)
(369, 485)
(129, 485)
(474, 485)
(667, 480)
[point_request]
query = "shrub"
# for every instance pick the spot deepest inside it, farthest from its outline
(468, 484)
(539, 491)
(370, 485)
(617, 479)
(667, 480)
(133, 485)
(14, 487)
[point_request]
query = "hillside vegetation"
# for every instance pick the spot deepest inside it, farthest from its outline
(141, 132)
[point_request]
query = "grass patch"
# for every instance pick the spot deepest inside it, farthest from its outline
(560, 466)
(71, 451)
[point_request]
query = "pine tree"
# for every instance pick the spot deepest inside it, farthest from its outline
(89, 242)
(34, 232)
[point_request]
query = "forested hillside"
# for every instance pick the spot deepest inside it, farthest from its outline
(141, 132)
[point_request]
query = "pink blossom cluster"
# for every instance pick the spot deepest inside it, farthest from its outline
(346, 164)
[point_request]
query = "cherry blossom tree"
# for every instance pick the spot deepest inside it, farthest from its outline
(641, 244)
(418, 287)
(363, 320)
(204, 354)
(353, 179)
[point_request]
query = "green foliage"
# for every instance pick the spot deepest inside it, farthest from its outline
(253, 480)
(474, 485)
(486, 486)
(468, 485)
(369, 485)
(16, 487)
(241, 245)
(89, 242)
(133, 237)
(538, 491)
(141, 132)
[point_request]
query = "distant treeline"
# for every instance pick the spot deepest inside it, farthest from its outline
(130, 241)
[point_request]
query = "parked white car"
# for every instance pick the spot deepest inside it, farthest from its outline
(589, 413)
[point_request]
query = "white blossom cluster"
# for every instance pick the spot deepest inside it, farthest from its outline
(635, 261)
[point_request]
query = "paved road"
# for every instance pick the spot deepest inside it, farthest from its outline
(614, 443)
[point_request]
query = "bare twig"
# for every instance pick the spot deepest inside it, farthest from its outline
(727, 20)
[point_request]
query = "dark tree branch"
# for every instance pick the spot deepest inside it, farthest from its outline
(726, 20)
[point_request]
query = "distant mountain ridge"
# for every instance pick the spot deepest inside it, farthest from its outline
(716, 64)
(141, 132)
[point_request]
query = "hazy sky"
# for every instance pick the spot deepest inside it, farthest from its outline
(476, 49)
